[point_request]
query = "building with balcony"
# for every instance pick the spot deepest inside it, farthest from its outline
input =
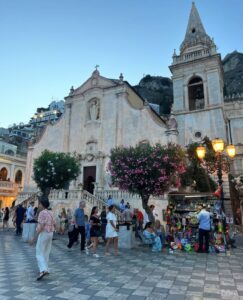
(12, 169)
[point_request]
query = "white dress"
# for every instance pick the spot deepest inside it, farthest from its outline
(110, 231)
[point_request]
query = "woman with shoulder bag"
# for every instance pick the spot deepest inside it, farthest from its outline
(95, 230)
(45, 229)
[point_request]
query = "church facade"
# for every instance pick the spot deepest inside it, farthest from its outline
(200, 104)
(105, 113)
(99, 115)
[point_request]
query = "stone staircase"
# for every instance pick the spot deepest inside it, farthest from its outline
(62, 199)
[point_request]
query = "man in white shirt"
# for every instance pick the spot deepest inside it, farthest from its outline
(30, 213)
(204, 228)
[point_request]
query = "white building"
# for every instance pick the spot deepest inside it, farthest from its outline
(12, 169)
(99, 115)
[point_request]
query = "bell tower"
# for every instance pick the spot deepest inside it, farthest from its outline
(197, 77)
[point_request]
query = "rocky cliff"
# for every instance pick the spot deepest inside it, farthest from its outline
(233, 73)
(159, 90)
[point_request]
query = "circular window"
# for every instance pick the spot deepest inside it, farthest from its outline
(198, 134)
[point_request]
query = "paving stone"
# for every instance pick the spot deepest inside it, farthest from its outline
(211, 295)
(125, 291)
(135, 274)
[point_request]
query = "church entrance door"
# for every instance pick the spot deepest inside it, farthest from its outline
(89, 178)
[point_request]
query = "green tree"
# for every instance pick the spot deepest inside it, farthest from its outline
(54, 170)
(147, 170)
(198, 170)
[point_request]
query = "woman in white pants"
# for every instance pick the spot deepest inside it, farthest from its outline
(45, 229)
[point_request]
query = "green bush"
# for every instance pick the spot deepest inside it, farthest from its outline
(54, 170)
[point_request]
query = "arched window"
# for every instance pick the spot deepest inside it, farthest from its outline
(3, 174)
(18, 177)
(9, 152)
(195, 93)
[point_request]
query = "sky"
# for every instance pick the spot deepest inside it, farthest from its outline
(47, 46)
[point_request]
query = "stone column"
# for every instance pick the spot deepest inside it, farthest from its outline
(100, 171)
(11, 175)
(67, 126)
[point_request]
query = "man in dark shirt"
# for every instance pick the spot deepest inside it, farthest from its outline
(79, 226)
(19, 217)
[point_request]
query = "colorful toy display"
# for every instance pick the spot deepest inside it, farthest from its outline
(182, 223)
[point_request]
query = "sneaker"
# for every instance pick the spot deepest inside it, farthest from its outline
(96, 255)
(87, 251)
(89, 246)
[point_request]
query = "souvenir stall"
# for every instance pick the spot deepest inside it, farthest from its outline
(182, 223)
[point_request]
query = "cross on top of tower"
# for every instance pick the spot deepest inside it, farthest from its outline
(96, 71)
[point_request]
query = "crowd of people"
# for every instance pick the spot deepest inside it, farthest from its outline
(90, 230)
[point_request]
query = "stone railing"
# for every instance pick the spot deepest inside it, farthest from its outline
(67, 196)
(233, 97)
(25, 196)
(8, 188)
(6, 185)
(116, 194)
(190, 56)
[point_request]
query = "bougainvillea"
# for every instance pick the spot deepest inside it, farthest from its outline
(55, 170)
(147, 170)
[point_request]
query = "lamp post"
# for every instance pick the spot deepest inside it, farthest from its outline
(218, 147)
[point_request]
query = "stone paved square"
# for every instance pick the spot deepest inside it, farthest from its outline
(134, 274)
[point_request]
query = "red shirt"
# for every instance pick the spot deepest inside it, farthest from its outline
(140, 216)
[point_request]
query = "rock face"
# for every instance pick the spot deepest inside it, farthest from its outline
(233, 73)
(158, 90)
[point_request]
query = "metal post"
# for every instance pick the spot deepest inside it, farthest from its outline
(220, 180)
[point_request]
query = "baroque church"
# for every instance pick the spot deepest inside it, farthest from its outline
(105, 113)
(99, 115)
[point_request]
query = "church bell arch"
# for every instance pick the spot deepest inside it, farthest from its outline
(196, 98)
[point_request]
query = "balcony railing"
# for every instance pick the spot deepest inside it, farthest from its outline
(8, 188)
(190, 56)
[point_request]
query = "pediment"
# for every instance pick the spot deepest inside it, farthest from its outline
(95, 81)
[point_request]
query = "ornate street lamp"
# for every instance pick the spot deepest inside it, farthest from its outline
(201, 151)
(230, 149)
(218, 147)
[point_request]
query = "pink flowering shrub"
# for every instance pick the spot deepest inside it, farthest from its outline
(147, 170)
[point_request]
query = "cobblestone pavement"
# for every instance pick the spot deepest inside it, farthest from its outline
(134, 275)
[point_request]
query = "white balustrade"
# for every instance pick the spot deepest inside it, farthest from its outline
(74, 196)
